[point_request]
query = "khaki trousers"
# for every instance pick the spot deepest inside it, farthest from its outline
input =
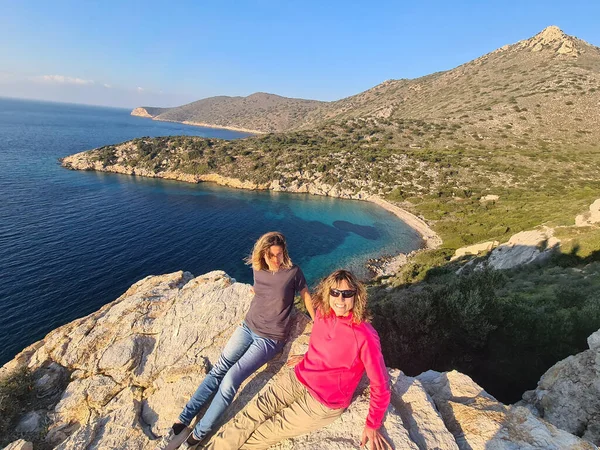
(286, 409)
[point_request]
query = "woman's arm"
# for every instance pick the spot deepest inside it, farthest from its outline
(372, 358)
(308, 302)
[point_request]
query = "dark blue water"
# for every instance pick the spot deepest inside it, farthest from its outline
(72, 241)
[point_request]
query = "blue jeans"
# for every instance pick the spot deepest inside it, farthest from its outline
(244, 353)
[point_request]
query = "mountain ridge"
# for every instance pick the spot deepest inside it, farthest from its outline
(543, 64)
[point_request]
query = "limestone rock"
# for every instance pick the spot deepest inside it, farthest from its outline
(479, 422)
(21, 444)
(594, 341)
(590, 217)
(568, 394)
(525, 247)
(489, 198)
(50, 380)
(474, 249)
(419, 414)
(552, 39)
(141, 112)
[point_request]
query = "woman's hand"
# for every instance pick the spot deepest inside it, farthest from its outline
(294, 360)
(378, 442)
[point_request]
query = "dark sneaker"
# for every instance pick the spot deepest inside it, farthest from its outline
(171, 441)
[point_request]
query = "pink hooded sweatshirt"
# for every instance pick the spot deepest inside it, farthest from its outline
(339, 352)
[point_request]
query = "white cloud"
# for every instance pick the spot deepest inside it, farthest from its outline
(140, 89)
(61, 79)
(107, 86)
(5, 76)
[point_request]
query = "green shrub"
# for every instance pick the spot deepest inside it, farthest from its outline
(16, 393)
(503, 328)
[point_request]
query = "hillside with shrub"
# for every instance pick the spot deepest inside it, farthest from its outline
(259, 112)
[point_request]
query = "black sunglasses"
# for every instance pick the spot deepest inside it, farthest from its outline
(345, 294)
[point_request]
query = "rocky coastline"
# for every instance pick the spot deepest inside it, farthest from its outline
(119, 376)
(82, 161)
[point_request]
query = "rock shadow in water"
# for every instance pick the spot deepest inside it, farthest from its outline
(365, 231)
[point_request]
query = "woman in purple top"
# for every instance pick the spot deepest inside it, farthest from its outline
(256, 341)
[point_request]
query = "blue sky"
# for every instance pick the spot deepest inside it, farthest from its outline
(157, 53)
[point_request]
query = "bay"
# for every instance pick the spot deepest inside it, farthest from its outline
(72, 241)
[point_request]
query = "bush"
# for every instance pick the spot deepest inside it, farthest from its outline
(502, 328)
(15, 395)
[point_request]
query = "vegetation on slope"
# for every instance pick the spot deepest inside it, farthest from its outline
(504, 328)
(259, 112)
(16, 396)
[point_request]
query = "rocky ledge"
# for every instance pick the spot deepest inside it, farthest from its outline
(130, 367)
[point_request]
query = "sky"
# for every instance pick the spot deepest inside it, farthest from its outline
(157, 53)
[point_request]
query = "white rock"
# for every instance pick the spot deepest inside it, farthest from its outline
(479, 422)
(590, 217)
(525, 247)
(568, 394)
(489, 198)
(419, 414)
(21, 444)
(474, 249)
(594, 341)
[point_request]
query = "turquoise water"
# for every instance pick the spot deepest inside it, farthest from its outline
(73, 241)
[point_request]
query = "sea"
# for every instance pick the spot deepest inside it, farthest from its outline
(72, 241)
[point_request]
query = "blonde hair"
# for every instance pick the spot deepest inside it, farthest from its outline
(321, 297)
(262, 246)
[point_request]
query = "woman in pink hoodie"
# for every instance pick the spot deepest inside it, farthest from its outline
(343, 345)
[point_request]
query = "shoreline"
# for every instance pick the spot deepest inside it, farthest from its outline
(203, 125)
(430, 238)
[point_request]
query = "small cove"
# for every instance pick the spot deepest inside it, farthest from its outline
(72, 241)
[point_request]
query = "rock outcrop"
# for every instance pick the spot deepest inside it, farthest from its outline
(525, 247)
(553, 39)
(148, 111)
(141, 112)
(19, 445)
(591, 217)
(475, 249)
(134, 363)
(568, 394)
(479, 422)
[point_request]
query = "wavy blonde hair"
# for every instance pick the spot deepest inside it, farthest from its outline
(321, 297)
(261, 248)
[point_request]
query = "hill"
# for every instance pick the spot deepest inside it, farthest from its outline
(259, 113)
(540, 91)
